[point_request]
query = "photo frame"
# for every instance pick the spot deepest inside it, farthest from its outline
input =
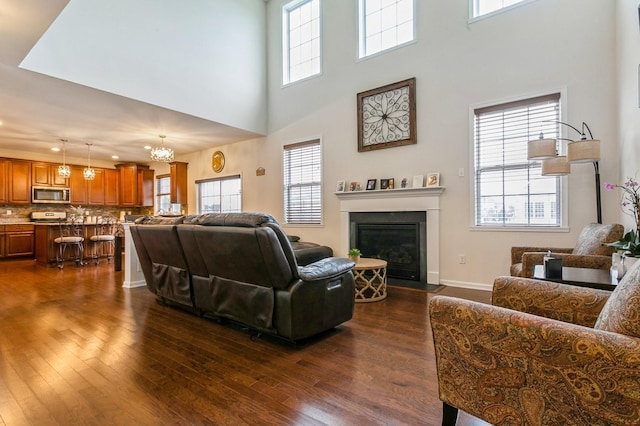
(387, 116)
(371, 184)
(433, 179)
(354, 186)
(340, 186)
(418, 181)
(384, 183)
(390, 186)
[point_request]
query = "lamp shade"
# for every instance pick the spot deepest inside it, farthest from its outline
(583, 151)
(556, 166)
(539, 149)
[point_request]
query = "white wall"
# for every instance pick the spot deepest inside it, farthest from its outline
(628, 76)
(543, 46)
(203, 58)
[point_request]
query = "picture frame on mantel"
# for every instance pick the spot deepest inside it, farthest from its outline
(387, 116)
(433, 179)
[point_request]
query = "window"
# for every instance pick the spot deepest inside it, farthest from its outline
(300, 40)
(163, 194)
(509, 189)
(302, 183)
(221, 195)
(384, 24)
(484, 7)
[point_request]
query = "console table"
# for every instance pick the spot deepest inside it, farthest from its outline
(583, 277)
(370, 276)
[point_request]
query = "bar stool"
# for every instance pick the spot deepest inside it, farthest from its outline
(71, 234)
(104, 235)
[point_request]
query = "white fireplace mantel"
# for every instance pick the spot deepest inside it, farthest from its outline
(389, 200)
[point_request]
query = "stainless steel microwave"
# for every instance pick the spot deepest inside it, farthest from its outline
(50, 195)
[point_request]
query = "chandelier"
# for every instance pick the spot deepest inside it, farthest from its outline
(64, 171)
(89, 173)
(160, 153)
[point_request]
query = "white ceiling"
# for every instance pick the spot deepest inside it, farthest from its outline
(37, 110)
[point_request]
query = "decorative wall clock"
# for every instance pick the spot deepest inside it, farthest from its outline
(387, 116)
(217, 161)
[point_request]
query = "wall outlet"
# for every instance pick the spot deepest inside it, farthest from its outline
(461, 172)
(462, 258)
(9, 212)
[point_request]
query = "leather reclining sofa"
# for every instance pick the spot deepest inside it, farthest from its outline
(241, 266)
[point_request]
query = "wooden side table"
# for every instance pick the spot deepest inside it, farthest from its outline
(371, 279)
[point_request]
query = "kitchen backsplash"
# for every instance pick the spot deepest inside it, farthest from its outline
(23, 212)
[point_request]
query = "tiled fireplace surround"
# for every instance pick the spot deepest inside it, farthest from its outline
(393, 200)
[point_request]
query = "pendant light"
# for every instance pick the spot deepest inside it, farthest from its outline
(162, 154)
(64, 171)
(89, 173)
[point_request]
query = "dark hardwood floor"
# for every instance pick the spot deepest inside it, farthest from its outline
(77, 348)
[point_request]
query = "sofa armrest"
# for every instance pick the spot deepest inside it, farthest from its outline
(568, 303)
(517, 252)
(325, 268)
(504, 367)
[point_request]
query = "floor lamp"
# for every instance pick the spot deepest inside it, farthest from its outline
(578, 151)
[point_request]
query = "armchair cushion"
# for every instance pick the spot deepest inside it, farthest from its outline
(621, 314)
(594, 235)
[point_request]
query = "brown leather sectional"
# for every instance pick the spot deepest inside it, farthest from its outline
(241, 266)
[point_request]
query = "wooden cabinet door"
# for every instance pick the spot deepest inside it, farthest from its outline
(128, 184)
(4, 178)
(145, 187)
(78, 186)
(178, 183)
(19, 182)
(95, 189)
(19, 240)
(111, 187)
(40, 174)
(56, 179)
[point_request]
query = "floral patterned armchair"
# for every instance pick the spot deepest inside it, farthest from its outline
(542, 354)
(589, 251)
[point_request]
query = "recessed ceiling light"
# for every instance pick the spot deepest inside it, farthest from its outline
(55, 149)
(147, 147)
(115, 157)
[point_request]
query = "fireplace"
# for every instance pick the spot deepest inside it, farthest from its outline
(397, 237)
(423, 200)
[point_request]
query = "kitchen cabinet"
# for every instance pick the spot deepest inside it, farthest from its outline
(111, 187)
(4, 178)
(136, 185)
(17, 240)
(95, 189)
(78, 186)
(46, 174)
(19, 182)
(178, 194)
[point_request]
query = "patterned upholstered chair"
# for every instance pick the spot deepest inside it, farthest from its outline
(589, 251)
(542, 354)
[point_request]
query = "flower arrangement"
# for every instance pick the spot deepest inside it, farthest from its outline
(630, 204)
(78, 211)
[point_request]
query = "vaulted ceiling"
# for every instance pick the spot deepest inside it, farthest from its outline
(59, 80)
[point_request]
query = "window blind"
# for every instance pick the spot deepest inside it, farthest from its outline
(302, 175)
(507, 184)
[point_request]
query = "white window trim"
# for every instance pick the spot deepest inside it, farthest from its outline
(197, 188)
(322, 182)
(286, 7)
(473, 19)
(564, 183)
(359, 30)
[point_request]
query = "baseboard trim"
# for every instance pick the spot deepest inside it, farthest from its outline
(468, 285)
